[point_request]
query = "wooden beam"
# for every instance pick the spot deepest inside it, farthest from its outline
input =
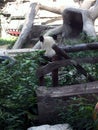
(57, 64)
(80, 47)
(80, 69)
(68, 90)
(67, 48)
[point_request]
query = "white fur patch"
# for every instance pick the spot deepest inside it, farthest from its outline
(47, 46)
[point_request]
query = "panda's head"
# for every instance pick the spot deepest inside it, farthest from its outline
(46, 44)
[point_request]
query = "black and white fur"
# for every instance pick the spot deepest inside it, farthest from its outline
(46, 44)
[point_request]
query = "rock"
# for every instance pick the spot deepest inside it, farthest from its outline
(51, 127)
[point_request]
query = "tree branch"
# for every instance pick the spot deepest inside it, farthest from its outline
(94, 11)
(81, 47)
(51, 9)
(27, 28)
(87, 4)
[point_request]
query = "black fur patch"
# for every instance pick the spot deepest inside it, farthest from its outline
(54, 37)
(41, 38)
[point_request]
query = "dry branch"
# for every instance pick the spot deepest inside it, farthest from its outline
(27, 28)
(51, 9)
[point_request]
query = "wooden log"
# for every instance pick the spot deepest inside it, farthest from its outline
(57, 64)
(27, 28)
(79, 68)
(14, 52)
(67, 48)
(52, 9)
(52, 99)
(80, 47)
(69, 90)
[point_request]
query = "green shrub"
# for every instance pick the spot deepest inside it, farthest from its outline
(17, 92)
(78, 113)
(7, 41)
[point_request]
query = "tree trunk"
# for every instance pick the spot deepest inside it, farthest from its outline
(76, 21)
(87, 4)
(27, 28)
(94, 11)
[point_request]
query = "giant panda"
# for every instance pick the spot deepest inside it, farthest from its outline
(46, 43)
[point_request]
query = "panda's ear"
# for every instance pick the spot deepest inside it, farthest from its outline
(41, 39)
(54, 37)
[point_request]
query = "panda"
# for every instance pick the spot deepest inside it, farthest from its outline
(46, 43)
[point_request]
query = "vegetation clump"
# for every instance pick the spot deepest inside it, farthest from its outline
(79, 113)
(17, 92)
(9, 41)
